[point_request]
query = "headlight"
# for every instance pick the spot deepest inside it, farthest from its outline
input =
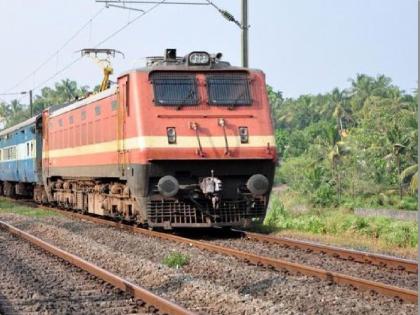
(243, 134)
(168, 186)
(199, 58)
(258, 184)
(171, 133)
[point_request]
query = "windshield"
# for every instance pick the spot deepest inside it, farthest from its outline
(228, 89)
(174, 89)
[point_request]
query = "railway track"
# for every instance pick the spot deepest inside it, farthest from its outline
(406, 295)
(337, 252)
(52, 280)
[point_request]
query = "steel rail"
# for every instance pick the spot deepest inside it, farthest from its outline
(406, 295)
(163, 305)
(344, 253)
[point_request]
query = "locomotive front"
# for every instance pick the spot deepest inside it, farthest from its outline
(205, 151)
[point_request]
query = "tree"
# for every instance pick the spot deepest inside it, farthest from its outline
(362, 138)
(63, 92)
(398, 142)
(411, 174)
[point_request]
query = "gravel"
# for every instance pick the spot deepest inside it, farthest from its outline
(394, 277)
(33, 281)
(210, 283)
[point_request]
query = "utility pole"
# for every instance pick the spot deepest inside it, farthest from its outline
(244, 35)
(30, 102)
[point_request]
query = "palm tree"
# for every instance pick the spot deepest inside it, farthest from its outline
(15, 107)
(66, 90)
(361, 89)
(3, 114)
(337, 152)
(411, 174)
(381, 86)
(399, 142)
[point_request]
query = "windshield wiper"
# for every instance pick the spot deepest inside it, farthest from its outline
(191, 93)
(235, 101)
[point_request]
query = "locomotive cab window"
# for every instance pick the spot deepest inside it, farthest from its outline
(228, 89)
(174, 89)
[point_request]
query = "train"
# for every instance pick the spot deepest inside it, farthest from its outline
(183, 142)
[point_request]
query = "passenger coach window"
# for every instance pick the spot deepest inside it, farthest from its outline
(174, 89)
(228, 89)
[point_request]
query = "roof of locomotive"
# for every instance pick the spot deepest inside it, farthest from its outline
(159, 63)
(153, 64)
(60, 109)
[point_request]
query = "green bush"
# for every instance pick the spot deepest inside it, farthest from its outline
(324, 195)
(408, 203)
(290, 171)
(336, 222)
(176, 260)
(276, 213)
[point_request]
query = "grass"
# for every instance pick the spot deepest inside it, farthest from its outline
(7, 206)
(357, 242)
(381, 201)
(341, 223)
(176, 260)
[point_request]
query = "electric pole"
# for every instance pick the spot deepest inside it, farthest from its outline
(244, 35)
(30, 102)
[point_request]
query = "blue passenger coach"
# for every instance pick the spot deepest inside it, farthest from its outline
(20, 157)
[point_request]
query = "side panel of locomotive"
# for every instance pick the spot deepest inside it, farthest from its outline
(80, 140)
(82, 160)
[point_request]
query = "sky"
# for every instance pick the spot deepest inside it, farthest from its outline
(303, 46)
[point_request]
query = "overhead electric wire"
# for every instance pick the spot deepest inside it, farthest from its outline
(122, 7)
(51, 56)
(57, 73)
(12, 93)
(228, 16)
(150, 2)
(98, 44)
(130, 22)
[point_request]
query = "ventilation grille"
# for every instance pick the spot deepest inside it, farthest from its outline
(182, 212)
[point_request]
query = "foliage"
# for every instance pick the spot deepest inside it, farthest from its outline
(63, 92)
(411, 173)
(341, 222)
(176, 260)
(357, 143)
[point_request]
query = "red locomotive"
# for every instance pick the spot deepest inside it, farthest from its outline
(182, 142)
